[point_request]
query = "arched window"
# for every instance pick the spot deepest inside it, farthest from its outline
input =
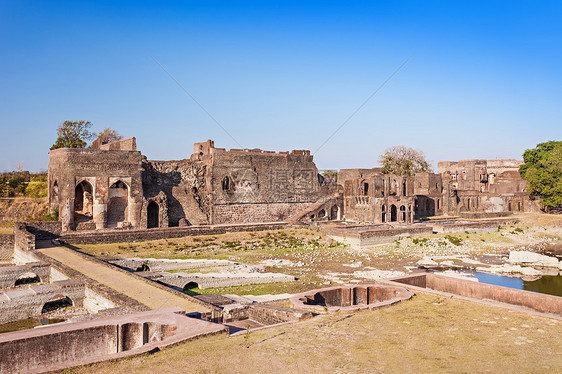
(227, 184)
(393, 213)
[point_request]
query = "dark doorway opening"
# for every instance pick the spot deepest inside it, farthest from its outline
(393, 215)
(153, 215)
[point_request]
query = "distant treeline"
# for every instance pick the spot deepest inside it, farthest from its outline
(23, 184)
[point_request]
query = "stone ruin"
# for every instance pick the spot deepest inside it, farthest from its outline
(115, 186)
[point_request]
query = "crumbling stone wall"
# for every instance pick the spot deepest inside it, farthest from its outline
(6, 247)
(252, 185)
(184, 186)
(10, 274)
(80, 181)
(380, 198)
(23, 239)
(24, 302)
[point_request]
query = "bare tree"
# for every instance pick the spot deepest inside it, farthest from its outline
(108, 135)
(401, 160)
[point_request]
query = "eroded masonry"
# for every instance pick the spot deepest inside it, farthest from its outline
(115, 186)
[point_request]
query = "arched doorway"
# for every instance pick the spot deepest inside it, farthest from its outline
(118, 202)
(383, 217)
(83, 202)
(393, 215)
(402, 213)
(334, 212)
(152, 215)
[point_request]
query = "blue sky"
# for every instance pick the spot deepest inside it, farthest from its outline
(484, 78)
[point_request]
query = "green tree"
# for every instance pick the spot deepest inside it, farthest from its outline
(73, 134)
(108, 135)
(543, 172)
(402, 160)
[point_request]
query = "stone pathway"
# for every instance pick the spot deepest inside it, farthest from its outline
(145, 293)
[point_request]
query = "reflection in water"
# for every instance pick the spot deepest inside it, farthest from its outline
(28, 324)
(548, 284)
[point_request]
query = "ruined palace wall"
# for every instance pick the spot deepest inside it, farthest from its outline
(100, 169)
(184, 184)
(261, 186)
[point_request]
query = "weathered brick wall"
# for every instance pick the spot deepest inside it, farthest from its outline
(44, 230)
(124, 236)
(271, 314)
(184, 183)
(247, 213)
(261, 186)
(24, 302)
(6, 246)
(23, 239)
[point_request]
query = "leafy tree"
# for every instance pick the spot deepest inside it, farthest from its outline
(402, 160)
(108, 135)
(543, 171)
(73, 134)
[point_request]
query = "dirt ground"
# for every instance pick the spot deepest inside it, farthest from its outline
(424, 335)
(317, 261)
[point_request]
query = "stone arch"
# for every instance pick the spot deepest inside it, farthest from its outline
(56, 302)
(393, 213)
(402, 213)
(190, 285)
(118, 203)
(83, 202)
(404, 188)
(322, 213)
(152, 215)
(364, 188)
(383, 213)
(27, 278)
(334, 212)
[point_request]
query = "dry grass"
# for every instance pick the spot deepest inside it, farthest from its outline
(323, 261)
(6, 230)
(426, 334)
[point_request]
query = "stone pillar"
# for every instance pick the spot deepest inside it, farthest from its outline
(99, 210)
(66, 214)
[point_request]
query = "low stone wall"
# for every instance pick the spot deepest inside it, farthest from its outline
(44, 229)
(6, 247)
(23, 239)
(271, 314)
(471, 226)
(481, 291)
(71, 344)
(10, 274)
(360, 239)
(479, 215)
(127, 236)
(215, 280)
(166, 264)
(24, 302)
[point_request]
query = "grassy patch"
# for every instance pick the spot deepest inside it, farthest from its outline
(420, 335)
